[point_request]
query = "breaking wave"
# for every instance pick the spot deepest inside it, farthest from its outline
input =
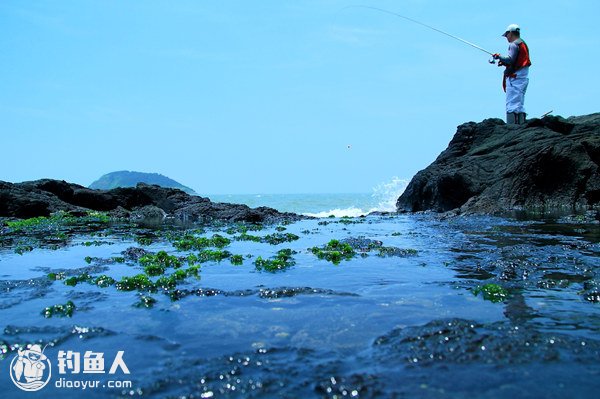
(383, 199)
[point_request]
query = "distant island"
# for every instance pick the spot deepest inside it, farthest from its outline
(125, 178)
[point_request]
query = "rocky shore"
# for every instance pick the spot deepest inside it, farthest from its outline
(46, 196)
(491, 167)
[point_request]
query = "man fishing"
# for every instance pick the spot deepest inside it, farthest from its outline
(517, 65)
(516, 78)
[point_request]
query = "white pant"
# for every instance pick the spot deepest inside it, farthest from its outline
(515, 93)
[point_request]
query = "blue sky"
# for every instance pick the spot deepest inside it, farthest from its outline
(266, 96)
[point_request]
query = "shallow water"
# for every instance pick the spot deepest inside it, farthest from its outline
(399, 326)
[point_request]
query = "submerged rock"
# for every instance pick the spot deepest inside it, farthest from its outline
(46, 196)
(490, 167)
(264, 293)
(458, 341)
(134, 253)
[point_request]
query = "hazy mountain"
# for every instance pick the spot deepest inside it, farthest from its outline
(126, 178)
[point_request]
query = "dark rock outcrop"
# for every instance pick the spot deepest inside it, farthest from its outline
(491, 167)
(46, 196)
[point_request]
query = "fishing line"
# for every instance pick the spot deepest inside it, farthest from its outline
(420, 23)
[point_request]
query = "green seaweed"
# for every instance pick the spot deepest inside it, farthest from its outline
(27, 224)
(60, 236)
(56, 221)
(286, 253)
(82, 278)
(170, 282)
(244, 228)
(139, 282)
(143, 240)
(21, 249)
(161, 258)
(56, 276)
(189, 242)
(273, 239)
(191, 259)
(155, 269)
(179, 275)
(231, 230)
(248, 237)
(282, 261)
(213, 255)
(236, 260)
(104, 281)
(219, 241)
(193, 271)
(65, 310)
(279, 238)
(97, 217)
(343, 220)
(491, 292)
(334, 251)
(95, 243)
(145, 301)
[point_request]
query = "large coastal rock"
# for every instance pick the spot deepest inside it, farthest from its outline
(43, 197)
(492, 167)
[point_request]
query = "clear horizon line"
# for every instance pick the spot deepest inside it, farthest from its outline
(280, 193)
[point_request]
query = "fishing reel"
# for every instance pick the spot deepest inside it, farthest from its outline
(493, 59)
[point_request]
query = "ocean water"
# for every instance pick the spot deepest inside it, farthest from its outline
(428, 307)
(381, 198)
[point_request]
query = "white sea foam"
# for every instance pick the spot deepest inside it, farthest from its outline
(387, 193)
(383, 199)
(351, 212)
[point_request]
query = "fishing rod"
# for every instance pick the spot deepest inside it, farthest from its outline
(492, 60)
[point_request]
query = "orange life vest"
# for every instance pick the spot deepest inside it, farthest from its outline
(523, 58)
(522, 61)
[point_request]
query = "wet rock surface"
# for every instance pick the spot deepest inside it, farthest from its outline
(134, 253)
(265, 293)
(46, 196)
(466, 341)
(395, 366)
(264, 372)
(391, 322)
(16, 336)
(15, 292)
(491, 167)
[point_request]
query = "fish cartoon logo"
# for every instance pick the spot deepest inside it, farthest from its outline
(30, 369)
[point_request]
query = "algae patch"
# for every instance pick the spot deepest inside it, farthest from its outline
(282, 261)
(334, 251)
(65, 310)
(273, 239)
(189, 242)
(491, 292)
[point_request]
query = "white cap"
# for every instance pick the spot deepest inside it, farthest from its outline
(512, 28)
